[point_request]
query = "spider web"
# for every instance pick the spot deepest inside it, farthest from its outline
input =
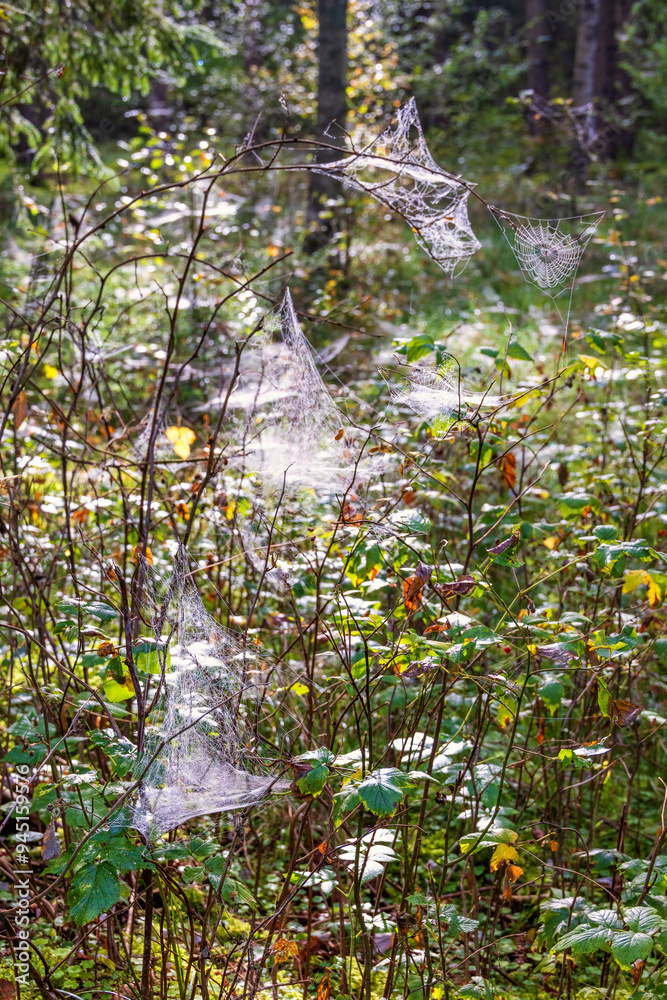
(294, 432)
(548, 251)
(401, 174)
(579, 120)
(440, 397)
(204, 757)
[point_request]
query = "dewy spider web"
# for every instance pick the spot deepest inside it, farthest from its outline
(209, 680)
(439, 395)
(294, 430)
(548, 251)
(401, 174)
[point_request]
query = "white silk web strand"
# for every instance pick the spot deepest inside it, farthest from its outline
(400, 173)
(208, 764)
(295, 432)
(439, 396)
(548, 251)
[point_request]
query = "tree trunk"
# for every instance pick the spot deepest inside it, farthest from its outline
(538, 59)
(612, 82)
(588, 33)
(585, 53)
(538, 49)
(332, 69)
(331, 116)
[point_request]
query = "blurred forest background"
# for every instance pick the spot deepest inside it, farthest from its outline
(447, 672)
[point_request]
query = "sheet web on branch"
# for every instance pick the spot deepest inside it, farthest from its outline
(439, 396)
(206, 760)
(294, 432)
(398, 170)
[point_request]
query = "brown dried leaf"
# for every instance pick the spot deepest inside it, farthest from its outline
(514, 872)
(7, 482)
(107, 648)
(496, 550)
(459, 587)
(284, 949)
(324, 988)
(624, 712)
(50, 844)
(412, 593)
(351, 515)
(507, 465)
(20, 409)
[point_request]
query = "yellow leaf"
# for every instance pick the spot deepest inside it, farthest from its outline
(300, 688)
(137, 552)
(635, 578)
(592, 363)
(654, 591)
(552, 542)
(502, 854)
(525, 398)
(115, 692)
(182, 439)
(50, 371)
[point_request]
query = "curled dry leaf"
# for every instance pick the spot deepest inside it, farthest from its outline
(107, 648)
(8, 482)
(507, 466)
(50, 844)
(624, 712)
(20, 409)
(284, 949)
(463, 585)
(496, 550)
(324, 988)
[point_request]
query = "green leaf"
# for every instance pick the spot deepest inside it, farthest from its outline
(170, 852)
(642, 918)
(121, 752)
(192, 874)
(605, 700)
(382, 790)
(605, 532)
(551, 691)
(71, 607)
(477, 989)
(457, 924)
(103, 612)
(33, 755)
(117, 850)
(411, 521)
(234, 892)
(344, 802)
(95, 888)
(419, 347)
(516, 351)
(147, 659)
(585, 939)
(628, 946)
(572, 504)
(314, 781)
